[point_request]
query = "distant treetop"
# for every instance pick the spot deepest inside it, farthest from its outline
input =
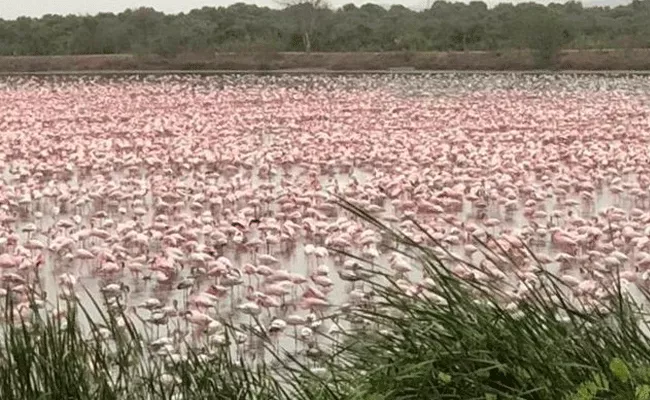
(311, 26)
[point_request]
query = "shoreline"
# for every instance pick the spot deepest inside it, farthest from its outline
(610, 61)
(322, 72)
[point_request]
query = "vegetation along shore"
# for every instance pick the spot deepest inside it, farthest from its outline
(309, 34)
(512, 60)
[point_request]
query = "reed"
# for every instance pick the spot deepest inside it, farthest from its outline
(444, 338)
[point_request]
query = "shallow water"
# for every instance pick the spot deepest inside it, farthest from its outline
(254, 143)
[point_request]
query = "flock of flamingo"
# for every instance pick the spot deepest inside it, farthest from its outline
(190, 201)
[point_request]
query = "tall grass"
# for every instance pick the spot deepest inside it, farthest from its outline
(45, 357)
(448, 339)
(463, 339)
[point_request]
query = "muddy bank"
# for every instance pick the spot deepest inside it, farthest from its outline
(588, 60)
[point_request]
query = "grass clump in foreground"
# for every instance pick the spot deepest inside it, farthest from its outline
(438, 338)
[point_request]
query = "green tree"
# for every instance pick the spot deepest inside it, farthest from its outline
(543, 33)
(309, 25)
(307, 13)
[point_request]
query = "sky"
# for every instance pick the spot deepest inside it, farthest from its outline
(11, 9)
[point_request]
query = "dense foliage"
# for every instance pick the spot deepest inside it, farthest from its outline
(309, 26)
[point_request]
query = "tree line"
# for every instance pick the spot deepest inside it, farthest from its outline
(312, 26)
